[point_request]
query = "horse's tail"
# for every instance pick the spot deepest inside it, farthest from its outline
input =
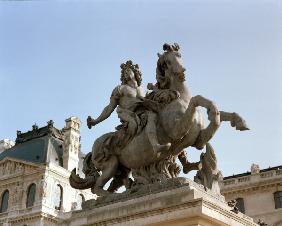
(91, 175)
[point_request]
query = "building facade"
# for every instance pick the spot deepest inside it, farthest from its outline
(258, 193)
(35, 190)
(34, 176)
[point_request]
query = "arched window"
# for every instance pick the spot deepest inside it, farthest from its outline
(4, 201)
(31, 195)
(240, 205)
(278, 199)
(80, 200)
(58, 197)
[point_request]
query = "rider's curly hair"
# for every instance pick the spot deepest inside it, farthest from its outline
(134, 68)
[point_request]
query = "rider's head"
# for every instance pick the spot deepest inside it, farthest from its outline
(130, 71)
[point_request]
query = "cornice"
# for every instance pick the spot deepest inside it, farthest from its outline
(244, 188)
(55, 173)
(17, 170)
(34, 216)
(200, 202)
(36, 165)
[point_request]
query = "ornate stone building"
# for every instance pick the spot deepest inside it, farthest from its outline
(34, 176)
(258, 193)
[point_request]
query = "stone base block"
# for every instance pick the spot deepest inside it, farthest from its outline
(185, 205)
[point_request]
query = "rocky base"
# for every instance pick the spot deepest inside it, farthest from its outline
(141, 190)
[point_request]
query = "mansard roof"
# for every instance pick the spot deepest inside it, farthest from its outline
(34, 146)
(39, 132)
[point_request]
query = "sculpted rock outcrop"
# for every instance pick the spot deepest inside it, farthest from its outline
(209, 174)
(155, 129)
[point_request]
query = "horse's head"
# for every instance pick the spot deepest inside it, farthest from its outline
(170, 65)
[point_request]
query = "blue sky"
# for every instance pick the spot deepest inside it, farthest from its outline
(61, 58)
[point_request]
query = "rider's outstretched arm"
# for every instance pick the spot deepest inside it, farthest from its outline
(107, 111)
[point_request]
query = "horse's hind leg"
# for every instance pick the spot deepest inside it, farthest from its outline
(235, 120)
(121, 178)
(187, 166)
(109, 169)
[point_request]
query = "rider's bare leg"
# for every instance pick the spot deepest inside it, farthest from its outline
(109, 170)
(151, 132)
(128, 116)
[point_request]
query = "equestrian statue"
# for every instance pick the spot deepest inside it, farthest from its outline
(155, 129)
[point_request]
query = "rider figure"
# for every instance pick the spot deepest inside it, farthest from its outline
(127, 98)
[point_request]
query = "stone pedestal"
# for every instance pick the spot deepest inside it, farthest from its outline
(185, 203)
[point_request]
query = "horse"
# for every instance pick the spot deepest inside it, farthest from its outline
(179, 122)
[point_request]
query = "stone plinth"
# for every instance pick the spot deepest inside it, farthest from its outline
(183, 204)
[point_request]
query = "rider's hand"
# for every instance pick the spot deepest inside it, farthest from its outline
(91, 122)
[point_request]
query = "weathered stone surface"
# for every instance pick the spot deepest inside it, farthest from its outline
(155, 129)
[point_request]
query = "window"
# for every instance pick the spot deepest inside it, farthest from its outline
(58, 197)
(4, 201)
(240, 205)
(278, 199)
(80, 200)
(31, 195)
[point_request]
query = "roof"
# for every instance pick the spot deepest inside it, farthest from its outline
(249, 173)
(39, 132)
(32, 151)
(35, 146)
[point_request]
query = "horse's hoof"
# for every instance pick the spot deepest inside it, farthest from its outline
(242, 126)
(239, 123)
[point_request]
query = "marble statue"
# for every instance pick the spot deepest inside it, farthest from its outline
(155, 129)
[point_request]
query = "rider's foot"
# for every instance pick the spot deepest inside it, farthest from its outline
(161, 147)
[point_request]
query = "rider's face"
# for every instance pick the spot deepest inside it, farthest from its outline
(129, 75)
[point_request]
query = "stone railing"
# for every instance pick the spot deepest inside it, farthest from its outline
(244, 179)
(252, 178)
(279, 172)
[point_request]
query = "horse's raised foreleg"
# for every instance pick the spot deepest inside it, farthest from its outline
(190, 128)
(235, 120)
(186, 122)
(214, 118)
